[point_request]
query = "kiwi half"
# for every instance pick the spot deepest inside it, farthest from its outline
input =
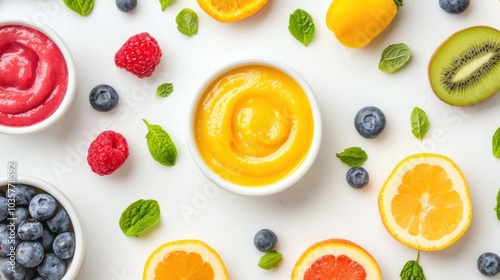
(465, 69)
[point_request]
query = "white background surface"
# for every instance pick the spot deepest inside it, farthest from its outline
(321, 205)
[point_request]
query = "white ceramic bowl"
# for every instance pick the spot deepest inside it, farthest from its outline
(70, 92)
(41, 186)
(287, 181)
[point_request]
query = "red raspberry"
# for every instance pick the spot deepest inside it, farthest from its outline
(139, 55)
(107, 152)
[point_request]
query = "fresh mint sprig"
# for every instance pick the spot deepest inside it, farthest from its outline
(160, 145)
(81, 7)
(419, 123)
(187, 22)
(495, 143)
(412, 270)
(139, 216)
(301, 26)
(164, 89)
(270, 260)
(394, 57)
(353, 156)
(165, 3)
(497, 207)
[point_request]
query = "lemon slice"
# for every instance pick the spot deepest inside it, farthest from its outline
(425, 202)
(185, 260)
(230, 11)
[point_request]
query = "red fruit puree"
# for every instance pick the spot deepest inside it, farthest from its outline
(33, 76)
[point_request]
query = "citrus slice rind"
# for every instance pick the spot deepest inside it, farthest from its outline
(207, 254)
(421, 213)
(337, 247)
(231, 11)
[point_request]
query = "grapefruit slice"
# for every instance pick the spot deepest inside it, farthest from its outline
(336, 259)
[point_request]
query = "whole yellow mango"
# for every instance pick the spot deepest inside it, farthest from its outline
(355, 23)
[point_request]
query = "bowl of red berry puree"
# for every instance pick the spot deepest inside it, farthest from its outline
(37, 76)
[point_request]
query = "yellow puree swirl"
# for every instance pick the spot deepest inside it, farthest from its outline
(254, 125)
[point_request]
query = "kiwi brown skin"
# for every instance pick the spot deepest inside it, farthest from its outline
(479, 44)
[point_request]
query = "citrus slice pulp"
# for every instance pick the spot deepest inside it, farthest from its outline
(185, 260)
(425, 202)
(336, 259)
(231, 10)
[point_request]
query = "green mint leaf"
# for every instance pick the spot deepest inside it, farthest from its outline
(160, 145)
(497, 207)
(81, 7)
(270, 260)
(394, 57)
(412, 270)
(164, 90)
(419, 123)
(353, 156)
(301, 26)
(187, 22)
(139, 216)
(165, 3)
(496, 143)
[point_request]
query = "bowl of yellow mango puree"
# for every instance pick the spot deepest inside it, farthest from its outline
(254, 127)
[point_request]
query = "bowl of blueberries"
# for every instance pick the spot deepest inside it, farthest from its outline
(41, 236)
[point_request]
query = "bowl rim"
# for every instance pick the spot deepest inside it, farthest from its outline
(77, 260)
(290, 179)
(71, 88)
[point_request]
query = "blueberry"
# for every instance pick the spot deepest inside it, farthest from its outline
(30, 229)
(52, 267)
(369, 122)
(31, 273)
(47, 239)
(22, 194)
(20, 214)
(454, 6)
(4, 208)
(265, 240)
(11, 270)
(29, 254)
(126, 5)
(64, 245)
(3, 229)
(103, 98)
(42, 206)
(488, 264)
(357, 177)
(60, 222)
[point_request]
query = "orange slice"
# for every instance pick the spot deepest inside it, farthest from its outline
(336, 259)
(185, 260)
(231, 10)
(425, 203)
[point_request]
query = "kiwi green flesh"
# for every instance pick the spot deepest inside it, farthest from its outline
(465, 69)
